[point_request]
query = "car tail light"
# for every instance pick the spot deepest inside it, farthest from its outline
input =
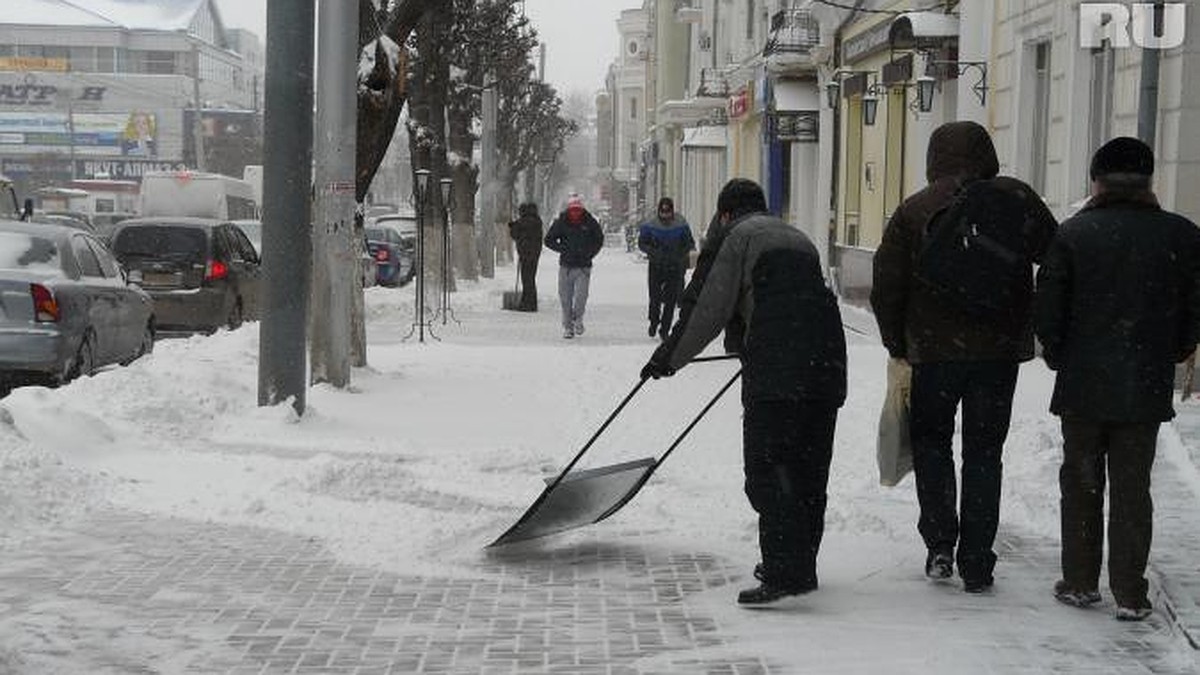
(45, 307)
(382, 255)
(215, 269)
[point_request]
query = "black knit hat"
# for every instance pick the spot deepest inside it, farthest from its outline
(1123, 155)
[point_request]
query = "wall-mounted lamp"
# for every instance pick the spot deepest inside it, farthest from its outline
(833, 88)
(870, 107)
(925, 86)
(960, 68)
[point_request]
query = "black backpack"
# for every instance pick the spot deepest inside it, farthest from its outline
(973, 253)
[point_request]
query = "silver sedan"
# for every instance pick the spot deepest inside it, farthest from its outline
(66, 306)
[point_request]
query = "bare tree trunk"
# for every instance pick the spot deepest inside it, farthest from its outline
(466, 254)
(504, 210)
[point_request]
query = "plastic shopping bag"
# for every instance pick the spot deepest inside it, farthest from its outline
(893, 449)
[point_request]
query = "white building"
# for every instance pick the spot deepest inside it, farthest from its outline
(627, 86)
(104, 88)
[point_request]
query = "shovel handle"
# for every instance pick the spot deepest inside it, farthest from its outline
(722, 357)
(611, 417)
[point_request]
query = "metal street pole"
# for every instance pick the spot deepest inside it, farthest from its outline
(335, 258)
(197, 123)
(487, 180)
(287, 206)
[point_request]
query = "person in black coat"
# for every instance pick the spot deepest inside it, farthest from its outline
(526, 233)
(1118, 305)
(793, 352)
(957, 357)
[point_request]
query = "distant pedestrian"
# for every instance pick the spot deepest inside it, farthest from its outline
(1118, 305)
(953, 296)
(667, 241)
(794, 379)
(526, 232)
(577, 238)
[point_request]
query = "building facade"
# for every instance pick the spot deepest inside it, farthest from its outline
(101, 89)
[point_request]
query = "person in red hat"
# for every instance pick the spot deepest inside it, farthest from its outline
(577, 238)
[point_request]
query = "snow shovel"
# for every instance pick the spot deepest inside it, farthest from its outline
(586, 497)
(512, 299)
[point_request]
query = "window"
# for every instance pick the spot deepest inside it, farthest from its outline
(106, 60)
(633, 154)
(108, 264)
(633, 106)
(1041, 116)
(750, 20)
(242, 247)
(1101, 94)
(89, 266)
(83, 59)
(157, 63)
(8, 50)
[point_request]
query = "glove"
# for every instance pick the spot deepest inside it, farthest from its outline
(655, 368)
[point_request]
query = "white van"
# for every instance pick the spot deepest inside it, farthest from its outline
(197, 195)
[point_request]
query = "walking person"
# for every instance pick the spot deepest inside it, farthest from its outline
(1118, 305)
(964, 339)
(793, 354)
(577, 238)
(526, 232)
(667, 241)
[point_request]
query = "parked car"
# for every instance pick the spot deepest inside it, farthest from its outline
(203, 274)
(66, 306)
(394, 251)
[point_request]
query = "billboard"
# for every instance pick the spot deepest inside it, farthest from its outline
(132, 134)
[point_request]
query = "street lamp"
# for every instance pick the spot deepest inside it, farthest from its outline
(420, 195)
(833, 89)
(447, 188)
(870, 107)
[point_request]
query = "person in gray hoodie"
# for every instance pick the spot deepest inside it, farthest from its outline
(793, 353)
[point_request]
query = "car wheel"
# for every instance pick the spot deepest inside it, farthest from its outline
(85, 360)
(235, 315)
(146, 346)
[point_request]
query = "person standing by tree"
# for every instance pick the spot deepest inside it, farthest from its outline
(577, 238)
(1118, 305)
(666, 240)
(794, 379)
(526, 232)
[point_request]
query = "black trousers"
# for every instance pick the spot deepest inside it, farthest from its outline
(985, 390)
(1127, 452)
(528, 265)
(666, 285)
(787, 447)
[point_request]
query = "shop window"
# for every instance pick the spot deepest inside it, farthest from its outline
(1101, 95)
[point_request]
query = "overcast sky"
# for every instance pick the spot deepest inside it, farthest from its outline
(580, 35)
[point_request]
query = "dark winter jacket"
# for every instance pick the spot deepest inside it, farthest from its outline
(577, 243)
(914, 323)
(714, 236)
(1118, 305)
(769, 273)
(666, 244)
(526, 233)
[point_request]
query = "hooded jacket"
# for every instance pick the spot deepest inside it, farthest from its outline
(913, 323)
(1118, 304)
(575, 242)
(526, 232)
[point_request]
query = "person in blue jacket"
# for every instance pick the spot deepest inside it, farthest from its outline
(667, 241)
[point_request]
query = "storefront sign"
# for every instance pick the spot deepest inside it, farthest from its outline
(28, 91)
(866, 43)
(123, 169)
(739, 104)
(132, 134)
(28, 63)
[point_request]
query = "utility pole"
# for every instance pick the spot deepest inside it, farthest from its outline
(487, 179)
(287, 205)
(197, 123)
(335, 254)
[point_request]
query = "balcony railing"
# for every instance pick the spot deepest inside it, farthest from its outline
(713, 82)
(792, 31)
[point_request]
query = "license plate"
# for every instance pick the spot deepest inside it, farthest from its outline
(161, 278)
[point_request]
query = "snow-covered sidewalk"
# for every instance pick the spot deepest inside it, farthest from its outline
(155, 520)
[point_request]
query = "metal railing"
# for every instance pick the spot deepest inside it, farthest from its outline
(792, 31)
(713, 82)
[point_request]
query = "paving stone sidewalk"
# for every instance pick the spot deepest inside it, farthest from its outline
(127, 593)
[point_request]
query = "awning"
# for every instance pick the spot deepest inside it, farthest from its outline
(796, 96)
(914, 29)
(704, 137)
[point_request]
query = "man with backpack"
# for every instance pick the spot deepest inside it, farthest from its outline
(953, 296)
(1118, 305)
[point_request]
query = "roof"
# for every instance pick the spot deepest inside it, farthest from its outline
(181, 221)
(167, 15)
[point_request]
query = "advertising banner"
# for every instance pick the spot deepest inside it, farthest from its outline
(131, 134)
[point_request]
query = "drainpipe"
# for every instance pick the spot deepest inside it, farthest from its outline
(1147, 125)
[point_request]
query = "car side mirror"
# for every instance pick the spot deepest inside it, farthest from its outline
(134, 277)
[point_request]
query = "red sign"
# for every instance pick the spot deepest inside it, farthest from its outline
(739, 103)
